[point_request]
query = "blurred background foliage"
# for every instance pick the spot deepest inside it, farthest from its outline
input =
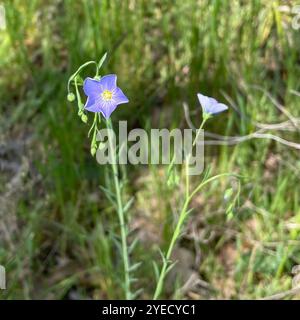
(57, 229)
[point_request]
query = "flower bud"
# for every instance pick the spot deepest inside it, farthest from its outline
(71, 96)
(93, 151)
(84, 118)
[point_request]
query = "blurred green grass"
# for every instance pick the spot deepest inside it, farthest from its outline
(58, 238)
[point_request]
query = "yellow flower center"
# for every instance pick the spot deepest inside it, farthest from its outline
(106, 95)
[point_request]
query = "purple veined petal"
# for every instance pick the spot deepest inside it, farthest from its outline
(119, 97)
(92, 87)
(109, 82)
(93, 105)
(218, 108)
(89, 102)
(107, 108)
(212, 101)
(204, 101)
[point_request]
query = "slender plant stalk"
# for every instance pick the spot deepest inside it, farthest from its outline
(187, 176)
(164, 268)
(182, 216)
(206, 116)
(121, 217)
(73, 76)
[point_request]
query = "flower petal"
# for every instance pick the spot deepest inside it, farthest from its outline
(109, 82)
(93, 105)
(107, 108)
(92, 87)
(212, 101)
(89, 102)
(99, 105)
(119, 97)
(204, 101)
(218, 108)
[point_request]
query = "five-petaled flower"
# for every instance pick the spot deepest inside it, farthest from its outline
(211, 106)
(103, 95)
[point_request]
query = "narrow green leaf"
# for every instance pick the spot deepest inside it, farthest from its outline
(156, 270)
(135, 266)
(133, 245)
(170, 267)
(135, 294)
(102, 60)
(128, 204)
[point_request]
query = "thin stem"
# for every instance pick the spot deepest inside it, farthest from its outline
(77, 93)
(78, 71)
(183, 214)
(187, 175)
(176, 233)
(121, 217)
(93, 125)
(203, 183)
(206, 116)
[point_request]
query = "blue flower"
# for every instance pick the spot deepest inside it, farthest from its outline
(211, 106)
(103, 95)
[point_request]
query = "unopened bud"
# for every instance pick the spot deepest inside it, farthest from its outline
(93, 151)
(84, 118)
(71, 96)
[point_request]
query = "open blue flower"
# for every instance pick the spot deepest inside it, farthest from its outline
(211, 106)
(103, 95)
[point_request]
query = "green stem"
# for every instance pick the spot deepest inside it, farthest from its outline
(183, 214)
(206, 116)
(202, 184)
(78, 71)
(176, 234)
(187, 176)
(120, 210)
(93, 125)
